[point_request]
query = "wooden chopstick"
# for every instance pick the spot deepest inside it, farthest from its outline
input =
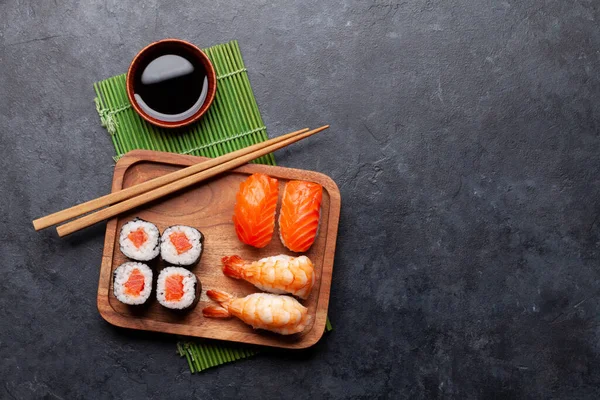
(113, 198)
(169, 188)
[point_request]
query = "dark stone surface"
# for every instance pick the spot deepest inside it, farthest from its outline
(465, 141)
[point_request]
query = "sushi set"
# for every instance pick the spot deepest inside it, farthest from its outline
(201, 247)
(245, 257)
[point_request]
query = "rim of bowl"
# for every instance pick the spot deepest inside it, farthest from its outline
(210, 74)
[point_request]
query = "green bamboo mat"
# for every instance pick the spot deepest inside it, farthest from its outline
(231, 123)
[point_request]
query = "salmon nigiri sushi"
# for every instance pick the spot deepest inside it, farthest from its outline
(300, 213)
(254, 211)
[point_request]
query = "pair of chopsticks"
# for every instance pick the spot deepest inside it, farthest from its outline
(135, 196)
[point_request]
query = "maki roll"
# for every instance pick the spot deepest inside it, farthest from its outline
(181, 245)
(139, 240)
(132, 283)
(177, 288)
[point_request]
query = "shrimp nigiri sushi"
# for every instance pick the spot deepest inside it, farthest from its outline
(275, 313)
(277, 274)
(300, 213)
(254, 211)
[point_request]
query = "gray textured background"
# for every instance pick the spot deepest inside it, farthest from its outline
(464, 139)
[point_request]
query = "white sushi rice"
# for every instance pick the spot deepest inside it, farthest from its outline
(149, 249)
(189, 288)
(121, 275)
(168, 252)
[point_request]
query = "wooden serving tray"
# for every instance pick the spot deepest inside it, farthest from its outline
(209, 208)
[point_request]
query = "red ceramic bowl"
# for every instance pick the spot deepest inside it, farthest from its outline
(165, 46)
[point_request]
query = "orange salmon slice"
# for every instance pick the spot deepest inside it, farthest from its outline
(174, 288)
(138, 237)
(180, 241)
(254, 210)
(135, 283)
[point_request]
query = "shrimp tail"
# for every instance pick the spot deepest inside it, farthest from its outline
(233, 266)
(213, 311)
(218, 296)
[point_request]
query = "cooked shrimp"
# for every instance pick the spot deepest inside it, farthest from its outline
(277, 274)
(275, 313)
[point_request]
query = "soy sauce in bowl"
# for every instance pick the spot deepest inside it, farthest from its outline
(171, 87)
(171, 83)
